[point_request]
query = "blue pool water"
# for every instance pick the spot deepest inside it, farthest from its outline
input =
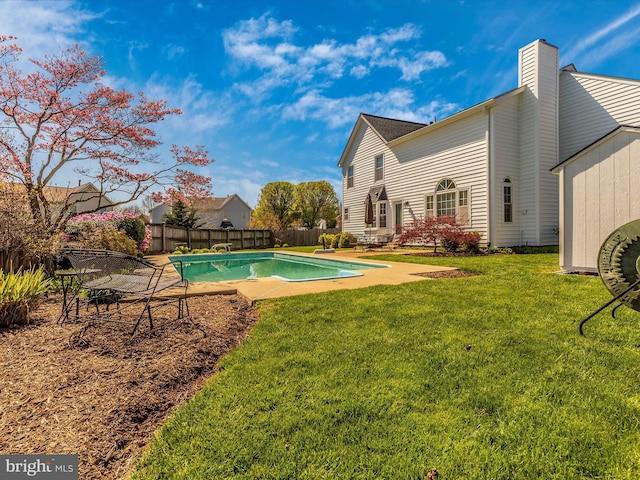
(240, 266)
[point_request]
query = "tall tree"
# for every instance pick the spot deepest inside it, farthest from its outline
(315, 201)
(275, 209)
(61, 115)
(182, 215)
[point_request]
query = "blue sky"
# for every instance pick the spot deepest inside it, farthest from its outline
(273, 88)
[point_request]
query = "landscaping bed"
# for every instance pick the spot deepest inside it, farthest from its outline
(101, 393)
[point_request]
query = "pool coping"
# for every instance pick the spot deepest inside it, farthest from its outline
(267, 288)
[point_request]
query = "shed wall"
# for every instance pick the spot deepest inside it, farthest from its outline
(597, 190)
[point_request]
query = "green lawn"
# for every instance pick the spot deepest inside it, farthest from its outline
(484, 377)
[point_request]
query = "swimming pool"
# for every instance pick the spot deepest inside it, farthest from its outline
(284, 266)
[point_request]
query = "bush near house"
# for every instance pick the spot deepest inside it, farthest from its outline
(337, 240)
(444, 230)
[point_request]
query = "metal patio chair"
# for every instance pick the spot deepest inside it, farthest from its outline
(133, 284)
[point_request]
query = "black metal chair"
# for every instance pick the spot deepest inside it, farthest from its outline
(133, 284)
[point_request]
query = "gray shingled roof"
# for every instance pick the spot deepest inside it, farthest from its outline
(391, 129)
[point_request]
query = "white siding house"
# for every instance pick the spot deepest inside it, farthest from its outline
(492, 163)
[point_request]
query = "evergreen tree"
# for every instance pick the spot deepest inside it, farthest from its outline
(181, 216)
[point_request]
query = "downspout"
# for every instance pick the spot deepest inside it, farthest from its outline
(489, 139)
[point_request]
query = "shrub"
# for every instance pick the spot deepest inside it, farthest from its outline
(346, 240)
(451, 241)
(20, 293)
(328, 239)
(81, 227)
(472, 242)
(109, 238)
(335, 241)
(133, 227)
(25, 241)
(285, 245)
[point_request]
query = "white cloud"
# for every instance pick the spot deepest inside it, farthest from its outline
(268, 45)
(202, 110)
(623, 41)
(174, 51)
(422, 62)
(337, 112)
(45, 26)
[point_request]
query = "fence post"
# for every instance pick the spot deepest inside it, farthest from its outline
(164, 239)
(209, 230)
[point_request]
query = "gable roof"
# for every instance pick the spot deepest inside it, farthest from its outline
(602, 139)
(60, 194)
(55, 194)
(389, 129)
(378, 193)
(393, 132)
(218, 203)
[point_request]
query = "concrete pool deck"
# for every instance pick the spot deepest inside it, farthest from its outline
(265, 288)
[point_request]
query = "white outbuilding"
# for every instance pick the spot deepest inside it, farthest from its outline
(599, 192)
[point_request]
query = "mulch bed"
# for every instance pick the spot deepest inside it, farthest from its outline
(101, 393)
(446, 274)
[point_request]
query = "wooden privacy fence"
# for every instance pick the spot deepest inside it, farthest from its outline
(165, 238)
(302, 238)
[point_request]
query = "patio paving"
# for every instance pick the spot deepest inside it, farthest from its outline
(264, 288)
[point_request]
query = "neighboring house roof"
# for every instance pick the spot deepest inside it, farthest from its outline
(218, 203)
(60, 194)
(56, 194)
(605, 137)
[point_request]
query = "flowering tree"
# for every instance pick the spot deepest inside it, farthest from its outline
(61, 115)
(426, 231)
(445, 230)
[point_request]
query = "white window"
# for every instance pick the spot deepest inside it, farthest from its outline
(507, 200)
(350, 177)
(463, 206)
(345, 217)
(383, 215)
(379, 175)
(429, 205)
(446, 198)
(448, 201)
